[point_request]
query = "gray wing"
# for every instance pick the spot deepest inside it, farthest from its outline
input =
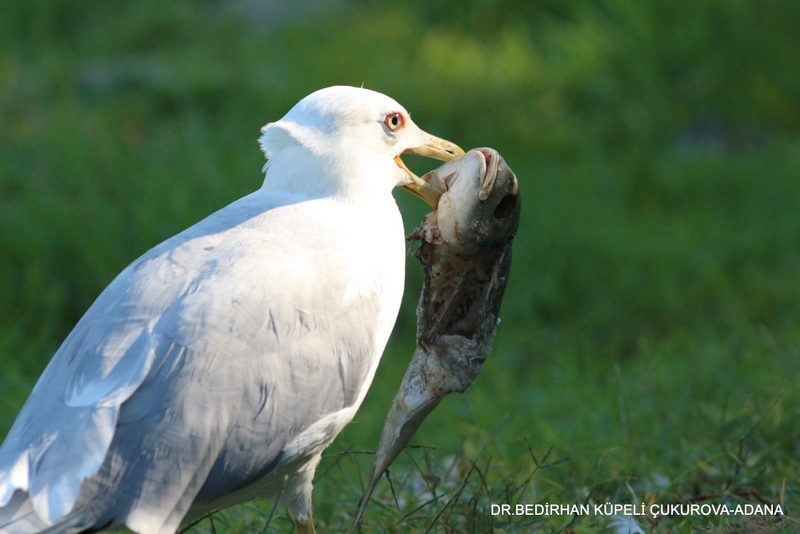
(203, 358)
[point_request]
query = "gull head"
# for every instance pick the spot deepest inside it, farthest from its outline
(347, 141)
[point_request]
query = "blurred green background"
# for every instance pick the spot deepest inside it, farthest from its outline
(650, 335)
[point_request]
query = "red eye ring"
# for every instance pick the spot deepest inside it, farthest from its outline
(395, 121)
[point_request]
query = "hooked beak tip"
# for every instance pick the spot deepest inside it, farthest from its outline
(435, 148)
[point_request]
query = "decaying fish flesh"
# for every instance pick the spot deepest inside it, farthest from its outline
(465, 252)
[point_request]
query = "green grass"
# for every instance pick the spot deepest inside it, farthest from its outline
(650, 344)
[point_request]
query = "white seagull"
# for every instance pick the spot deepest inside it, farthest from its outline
(217, 367)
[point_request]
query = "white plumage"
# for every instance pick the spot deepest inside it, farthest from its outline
(218, 366)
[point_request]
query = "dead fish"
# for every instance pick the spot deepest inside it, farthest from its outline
(469, 227)
(465, 252)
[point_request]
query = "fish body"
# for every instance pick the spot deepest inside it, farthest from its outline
(465, 253)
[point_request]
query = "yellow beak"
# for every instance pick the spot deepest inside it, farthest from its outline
(437, 149)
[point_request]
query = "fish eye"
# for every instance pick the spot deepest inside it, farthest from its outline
(395, 121)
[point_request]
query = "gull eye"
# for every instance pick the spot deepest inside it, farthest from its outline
(395, 121)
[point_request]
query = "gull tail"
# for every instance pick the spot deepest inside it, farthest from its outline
(18, 517)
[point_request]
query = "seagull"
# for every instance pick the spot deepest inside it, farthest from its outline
(218, 366)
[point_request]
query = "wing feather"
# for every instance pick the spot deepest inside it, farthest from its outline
(197, 365)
